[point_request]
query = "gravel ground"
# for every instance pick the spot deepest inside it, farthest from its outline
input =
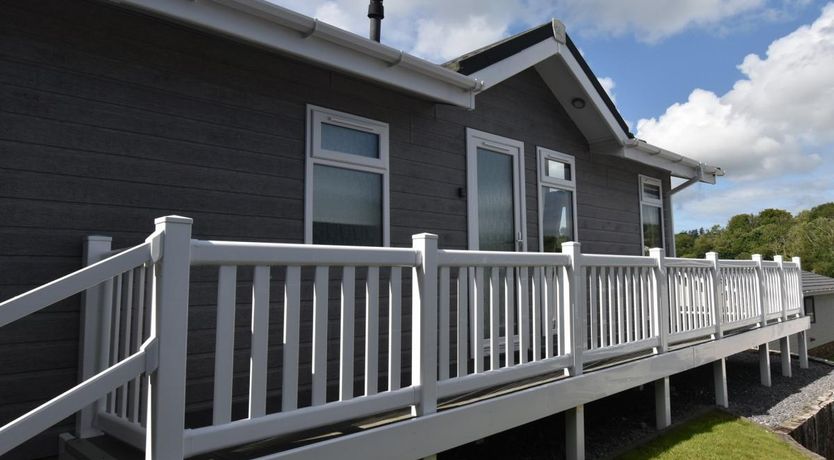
(614, 424)
(786, 397)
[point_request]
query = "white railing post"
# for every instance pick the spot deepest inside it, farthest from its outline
(783, 297)
(574, 326)
(661, 298)
(717, 293)
(760, 290)
(424, 324)
(802, 337)
(169, 324)
(95, 248)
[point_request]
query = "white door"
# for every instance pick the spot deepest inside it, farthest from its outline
(495, 175)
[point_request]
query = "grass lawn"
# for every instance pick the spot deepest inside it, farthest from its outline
(717, 435)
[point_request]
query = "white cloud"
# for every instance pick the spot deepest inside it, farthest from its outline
(771, 132)
(608, 85)
(439, 30)
(449, 40)
(650, 20)
(775, 121)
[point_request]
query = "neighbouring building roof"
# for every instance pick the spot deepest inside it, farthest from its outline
(813, 284)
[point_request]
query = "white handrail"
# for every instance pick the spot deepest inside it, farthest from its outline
(62, 406)
(66, 286)
(457, 258)
(206, 252)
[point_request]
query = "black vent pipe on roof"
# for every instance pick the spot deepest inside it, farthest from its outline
(375, 13)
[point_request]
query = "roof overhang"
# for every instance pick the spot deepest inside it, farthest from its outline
(270, 26)
(558, 62)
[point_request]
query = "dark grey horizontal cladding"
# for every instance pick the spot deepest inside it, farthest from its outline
(110, 118)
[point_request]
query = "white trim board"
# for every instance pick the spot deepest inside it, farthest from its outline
(427, 435)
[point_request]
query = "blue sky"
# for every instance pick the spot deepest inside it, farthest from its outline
(747, 85)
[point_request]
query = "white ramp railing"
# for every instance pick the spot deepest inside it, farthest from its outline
(121, 364)
(342, 333)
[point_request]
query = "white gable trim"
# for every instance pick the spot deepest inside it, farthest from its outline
(517, 63)
(265, 24)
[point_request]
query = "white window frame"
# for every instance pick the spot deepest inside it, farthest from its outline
(545, 154)
(505, 145)
(316, 155)
(658, 203)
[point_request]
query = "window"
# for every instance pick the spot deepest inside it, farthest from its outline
(557, 200)
(810, 309)
(651, 213)
(346, 189)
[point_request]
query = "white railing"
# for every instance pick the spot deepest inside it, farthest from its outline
(622, 306)
(117, 348)
(304, 271)
(463, 321)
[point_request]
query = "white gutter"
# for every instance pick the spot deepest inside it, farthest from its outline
(268, 25)
(703, 172)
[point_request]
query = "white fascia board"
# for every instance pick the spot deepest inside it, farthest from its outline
(270, 26)
(517, 63)
(592, 94)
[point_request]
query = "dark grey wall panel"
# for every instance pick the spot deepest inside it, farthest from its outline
(109, 118)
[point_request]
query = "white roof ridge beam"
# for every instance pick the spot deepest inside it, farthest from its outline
(273, 27)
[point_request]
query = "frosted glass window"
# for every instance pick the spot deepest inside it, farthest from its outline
(347, 207)
(496, 211)
(558, 170)
(652, 228)
(557, 218)
(350, 141)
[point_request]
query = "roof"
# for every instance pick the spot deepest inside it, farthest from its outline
(550, 50)
(481, 58)
(813, 284)
(458, 82)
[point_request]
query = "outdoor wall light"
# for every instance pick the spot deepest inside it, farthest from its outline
(578, 103)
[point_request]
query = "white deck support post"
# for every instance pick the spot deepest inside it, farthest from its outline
(719, 374)
(661, 299)
(760, 289)
(764, 364)
(574, 333)
(575, 433)
(802, 337)
(662, 403)
(717, 294)
(169, 323)
(424, 324)
(719, 368)
(784, 342)
(95, 249)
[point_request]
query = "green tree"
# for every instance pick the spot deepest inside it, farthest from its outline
(809, 235)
